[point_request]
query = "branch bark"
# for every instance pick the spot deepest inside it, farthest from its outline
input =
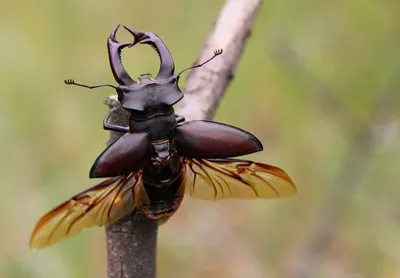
(132, 240)
(206, 86)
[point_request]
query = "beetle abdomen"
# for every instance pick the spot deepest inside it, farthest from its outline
(163, 201)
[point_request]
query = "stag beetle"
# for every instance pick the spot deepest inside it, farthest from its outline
(160, 157)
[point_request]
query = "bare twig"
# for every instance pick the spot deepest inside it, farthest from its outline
(131, 241)
(206, 86)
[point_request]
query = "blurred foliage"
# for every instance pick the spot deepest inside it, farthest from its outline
(317, 84)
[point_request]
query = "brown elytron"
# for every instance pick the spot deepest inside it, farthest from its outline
(160, 157)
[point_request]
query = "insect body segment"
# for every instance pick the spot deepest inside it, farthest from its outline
(159, 157)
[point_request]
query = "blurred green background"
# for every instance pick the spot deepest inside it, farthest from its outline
(318, 84)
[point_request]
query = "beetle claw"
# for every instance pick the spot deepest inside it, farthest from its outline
(167, 66)
(137, 35)
(114, 53)
(114, 40)
(114, 32)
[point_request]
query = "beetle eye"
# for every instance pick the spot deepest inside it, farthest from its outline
(174, 80)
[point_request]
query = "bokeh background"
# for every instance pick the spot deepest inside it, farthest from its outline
(318, 84)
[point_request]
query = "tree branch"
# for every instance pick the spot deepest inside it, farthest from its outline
(132, 240)
(206, 86)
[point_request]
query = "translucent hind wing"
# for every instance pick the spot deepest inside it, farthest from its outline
(102, 204)
(238, 179)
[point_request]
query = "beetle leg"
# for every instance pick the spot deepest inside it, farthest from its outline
(179, 119)
(113, 127)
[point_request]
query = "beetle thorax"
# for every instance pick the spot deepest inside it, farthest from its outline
(148, 93)
(158, 122)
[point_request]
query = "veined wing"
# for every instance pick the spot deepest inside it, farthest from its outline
(233, 178)
(99, 205)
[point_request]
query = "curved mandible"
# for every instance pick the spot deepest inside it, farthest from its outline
(114, 55)
(167, 65)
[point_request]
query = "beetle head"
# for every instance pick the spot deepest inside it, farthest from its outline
(146, 92)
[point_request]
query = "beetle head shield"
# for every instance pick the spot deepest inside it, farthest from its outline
(147, 92)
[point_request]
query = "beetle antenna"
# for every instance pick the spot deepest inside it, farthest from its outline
(216, 53)
(72, 82)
